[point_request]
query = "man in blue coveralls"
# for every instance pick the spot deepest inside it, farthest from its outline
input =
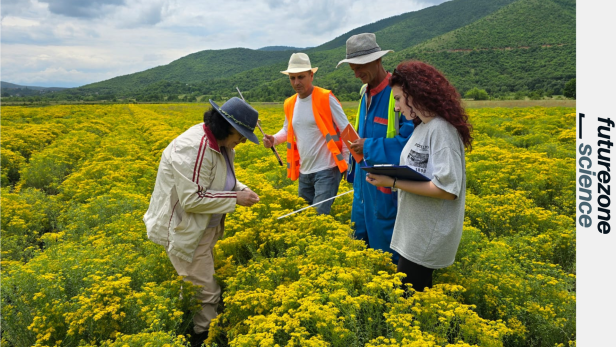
(383, 133)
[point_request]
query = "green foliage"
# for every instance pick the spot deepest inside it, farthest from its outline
(569, 90)
(11, 163)
(48, 168)
(477, 94)
(523, 69)
(26, 217)
(157, 339)
(523, 23)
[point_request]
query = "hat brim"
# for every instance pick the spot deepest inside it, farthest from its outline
(240, 129)
(298, 70)
(365, 59)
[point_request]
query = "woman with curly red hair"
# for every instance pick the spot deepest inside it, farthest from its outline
(430, 213)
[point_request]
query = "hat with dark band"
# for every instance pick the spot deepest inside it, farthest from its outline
(362, 49)
(240, 115)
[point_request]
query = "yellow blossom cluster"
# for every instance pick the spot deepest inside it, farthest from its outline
(78, 270)
(87, 274)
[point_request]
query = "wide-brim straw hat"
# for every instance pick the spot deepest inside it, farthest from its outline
(299, 62)
(362, 49)
(240, 115)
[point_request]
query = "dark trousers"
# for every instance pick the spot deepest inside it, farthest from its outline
(417, 275)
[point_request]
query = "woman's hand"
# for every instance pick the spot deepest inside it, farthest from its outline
(379, 180)
(247, 197)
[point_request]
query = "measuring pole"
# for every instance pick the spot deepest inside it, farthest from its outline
(262, 132)
(320, 202)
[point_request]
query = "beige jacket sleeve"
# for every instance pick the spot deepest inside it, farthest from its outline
(193, 194)
(239, 186)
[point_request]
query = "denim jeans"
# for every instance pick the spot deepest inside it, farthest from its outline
(319, 186)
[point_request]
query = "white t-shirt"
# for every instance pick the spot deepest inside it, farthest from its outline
(428, 230)
(314, 156)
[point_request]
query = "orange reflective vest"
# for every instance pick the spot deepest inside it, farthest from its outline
(323, 117)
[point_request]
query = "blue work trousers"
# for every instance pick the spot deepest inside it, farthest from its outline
(374, 214)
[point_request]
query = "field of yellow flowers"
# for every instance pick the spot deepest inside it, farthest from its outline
(78, 270)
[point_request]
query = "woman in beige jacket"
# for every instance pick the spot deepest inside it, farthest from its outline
(195, 188)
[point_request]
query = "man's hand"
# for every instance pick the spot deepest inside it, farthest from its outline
(268, 141)
(358, 146)
(247, 198)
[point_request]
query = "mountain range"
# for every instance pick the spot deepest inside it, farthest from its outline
(501, 46)
(7, 85)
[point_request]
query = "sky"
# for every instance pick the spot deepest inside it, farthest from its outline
(70, 43)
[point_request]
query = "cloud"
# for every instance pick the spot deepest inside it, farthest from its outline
(90, 41)
(45, 32)
(24, 8)
(143, 13)
(151, 15)
(17, 30)
(11, 7)
(153, 57)
(82, 8)
(19, 22)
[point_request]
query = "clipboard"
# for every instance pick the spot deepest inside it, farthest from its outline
(400, 172)
(349, 135)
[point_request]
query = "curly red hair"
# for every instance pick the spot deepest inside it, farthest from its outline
(432, 94)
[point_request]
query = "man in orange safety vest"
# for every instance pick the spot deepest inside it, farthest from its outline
(313, 121)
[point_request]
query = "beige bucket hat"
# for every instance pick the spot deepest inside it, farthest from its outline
(299, 62)
(362, 49)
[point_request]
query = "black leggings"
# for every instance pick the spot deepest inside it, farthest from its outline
(417, 275)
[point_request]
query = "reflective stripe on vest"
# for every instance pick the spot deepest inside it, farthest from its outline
(323, 117)
(392, 116)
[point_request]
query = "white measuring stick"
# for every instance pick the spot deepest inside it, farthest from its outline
(320, 202)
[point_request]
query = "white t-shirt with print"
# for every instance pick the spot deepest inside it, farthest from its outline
(428, 230)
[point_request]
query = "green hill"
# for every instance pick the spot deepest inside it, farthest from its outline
(409, 29)
(15, 90)
(194, 68)
(8, 85)
(281, 48)
(502, 46)
(529, 44)
(524, 23)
